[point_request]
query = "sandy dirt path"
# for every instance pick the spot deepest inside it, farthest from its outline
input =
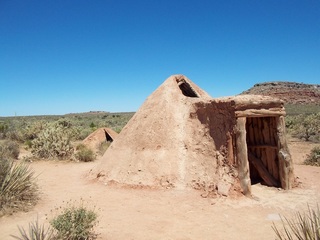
(166, 214)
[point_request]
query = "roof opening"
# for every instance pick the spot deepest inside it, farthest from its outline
(186, 89)
(108, 136)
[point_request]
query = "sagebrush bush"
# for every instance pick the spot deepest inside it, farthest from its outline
(304, 226)
(84, 154)
(36, 231)
(9, 150)
(75, 222)
(313, 158)
(18, 188)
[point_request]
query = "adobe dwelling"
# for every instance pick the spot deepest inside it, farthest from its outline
(182, 138)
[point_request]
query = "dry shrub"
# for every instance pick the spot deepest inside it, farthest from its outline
(313, 157)
(75, 222)
(9, 150)
(84, 154)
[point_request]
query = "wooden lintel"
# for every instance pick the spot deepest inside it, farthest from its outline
(243, 104)
(275, 112)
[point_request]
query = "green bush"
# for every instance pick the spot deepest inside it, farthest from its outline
(9, 150)
(84, 154)
(93, 126)
(35, 231)
(18, 188)
(75, 223)
(304, 226)
(313, 158)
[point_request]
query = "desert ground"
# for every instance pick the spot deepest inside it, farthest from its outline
(126, 213)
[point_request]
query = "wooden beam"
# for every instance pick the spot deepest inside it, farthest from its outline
(242, 104)
(262, 170)
(275, 112)
(242, 156)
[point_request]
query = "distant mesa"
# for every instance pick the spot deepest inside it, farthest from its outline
(89, 113)
(289, 92)
(95, 112)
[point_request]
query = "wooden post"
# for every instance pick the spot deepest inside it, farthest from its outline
(285, 160)
(242, 156)
(230, 155)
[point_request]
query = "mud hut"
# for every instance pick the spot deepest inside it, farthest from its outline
(99, 136)
(183, 138)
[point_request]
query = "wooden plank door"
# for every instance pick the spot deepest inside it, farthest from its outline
(263, 150)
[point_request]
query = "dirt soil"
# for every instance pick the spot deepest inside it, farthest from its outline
(169, 214)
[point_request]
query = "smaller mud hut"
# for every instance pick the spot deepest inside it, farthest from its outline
(99, 136)
(183, 138)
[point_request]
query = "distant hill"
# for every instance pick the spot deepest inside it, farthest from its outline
(289, 92)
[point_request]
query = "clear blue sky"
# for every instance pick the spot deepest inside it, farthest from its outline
(62, 56)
